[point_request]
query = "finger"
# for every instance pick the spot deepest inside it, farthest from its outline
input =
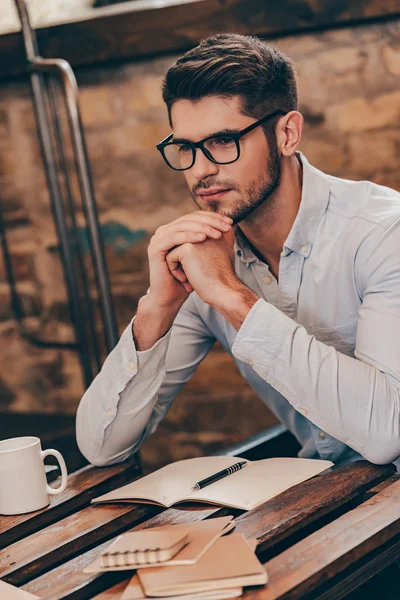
(198, 226)
(179, 274)
(200, 216)
(173, 262)
(164, 244)
(204, 213)
(212, 219)
(209, 227)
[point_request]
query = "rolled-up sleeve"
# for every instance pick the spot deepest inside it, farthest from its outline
(356, 400)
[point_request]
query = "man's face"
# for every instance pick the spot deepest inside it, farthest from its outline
(235, 189)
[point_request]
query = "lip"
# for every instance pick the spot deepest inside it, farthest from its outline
(213, 193)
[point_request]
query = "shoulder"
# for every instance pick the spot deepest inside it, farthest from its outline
(364, 202)
(365, 218)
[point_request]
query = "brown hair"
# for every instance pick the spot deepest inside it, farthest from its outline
(230, 64)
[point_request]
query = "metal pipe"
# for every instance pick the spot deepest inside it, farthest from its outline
(75, 248)
(84, 323)
(61, 227)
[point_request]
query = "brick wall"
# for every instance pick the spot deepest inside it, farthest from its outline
(349, 88)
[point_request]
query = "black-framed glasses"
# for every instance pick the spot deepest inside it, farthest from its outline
(222, 148)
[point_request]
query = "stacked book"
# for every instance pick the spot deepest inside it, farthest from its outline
(193, 561)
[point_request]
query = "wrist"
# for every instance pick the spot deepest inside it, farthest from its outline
(234, 303)
(151, 304)
(151, 323)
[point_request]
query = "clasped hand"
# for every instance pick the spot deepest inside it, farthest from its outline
(189, 254)
(207, 267)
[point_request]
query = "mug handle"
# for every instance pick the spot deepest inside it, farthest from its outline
(64, 475)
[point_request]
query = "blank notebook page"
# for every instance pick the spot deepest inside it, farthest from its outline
(261, 480)
(173, 482)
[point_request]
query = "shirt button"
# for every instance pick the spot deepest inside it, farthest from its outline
(303, 410)
(251, 363)
(305, 249)
(131, 365)
(322, 435)
(267, 279)
(111, 413)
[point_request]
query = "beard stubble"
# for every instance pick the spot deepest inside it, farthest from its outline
(258, 194)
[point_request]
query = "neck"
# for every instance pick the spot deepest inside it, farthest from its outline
(267, 227)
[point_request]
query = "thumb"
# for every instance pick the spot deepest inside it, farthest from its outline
(175, 266)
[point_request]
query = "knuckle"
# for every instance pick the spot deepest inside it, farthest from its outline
(159, 231)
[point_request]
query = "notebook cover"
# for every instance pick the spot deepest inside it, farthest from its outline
(145, 546)
(202, 534)
(230, 562)
(134, 591)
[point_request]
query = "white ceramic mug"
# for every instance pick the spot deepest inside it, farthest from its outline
(23, 483)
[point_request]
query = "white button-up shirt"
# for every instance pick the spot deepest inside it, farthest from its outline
(321, 347)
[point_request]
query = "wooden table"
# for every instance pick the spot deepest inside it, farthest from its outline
(320, 539)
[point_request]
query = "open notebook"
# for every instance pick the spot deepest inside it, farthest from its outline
(251, 486)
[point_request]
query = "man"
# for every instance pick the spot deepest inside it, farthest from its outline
(307, 298)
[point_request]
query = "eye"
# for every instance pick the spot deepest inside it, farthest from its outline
(221, 142)
(182, 148)
(225, 141)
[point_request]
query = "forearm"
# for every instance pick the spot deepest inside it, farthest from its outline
(234, 303)
(351, 400)
(152, 321)
(116, 409)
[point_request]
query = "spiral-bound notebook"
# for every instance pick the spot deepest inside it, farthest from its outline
(202, 535)
(144, 547)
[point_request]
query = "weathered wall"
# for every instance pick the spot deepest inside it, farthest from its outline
(44, 12)
(350, 95)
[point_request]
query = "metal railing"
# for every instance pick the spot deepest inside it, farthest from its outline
(52, 79)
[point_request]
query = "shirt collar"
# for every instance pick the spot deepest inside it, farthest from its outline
(314, 202)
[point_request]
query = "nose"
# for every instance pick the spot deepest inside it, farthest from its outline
(203, 167)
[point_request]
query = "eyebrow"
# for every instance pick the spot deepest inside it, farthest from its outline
(226, 131)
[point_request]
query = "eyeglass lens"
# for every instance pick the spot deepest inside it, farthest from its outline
(222, 149)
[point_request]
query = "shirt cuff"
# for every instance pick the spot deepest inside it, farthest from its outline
(142, 364)
(261, 335)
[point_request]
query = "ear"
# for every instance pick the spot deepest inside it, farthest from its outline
(288, 132)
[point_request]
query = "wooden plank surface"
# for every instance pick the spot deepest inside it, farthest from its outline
(339, 587)
(277, 519)
(144, 28)
(113, 593)
(83, 485)
(307, 502)
(68, 580)
(322, 555)
(43, 550)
